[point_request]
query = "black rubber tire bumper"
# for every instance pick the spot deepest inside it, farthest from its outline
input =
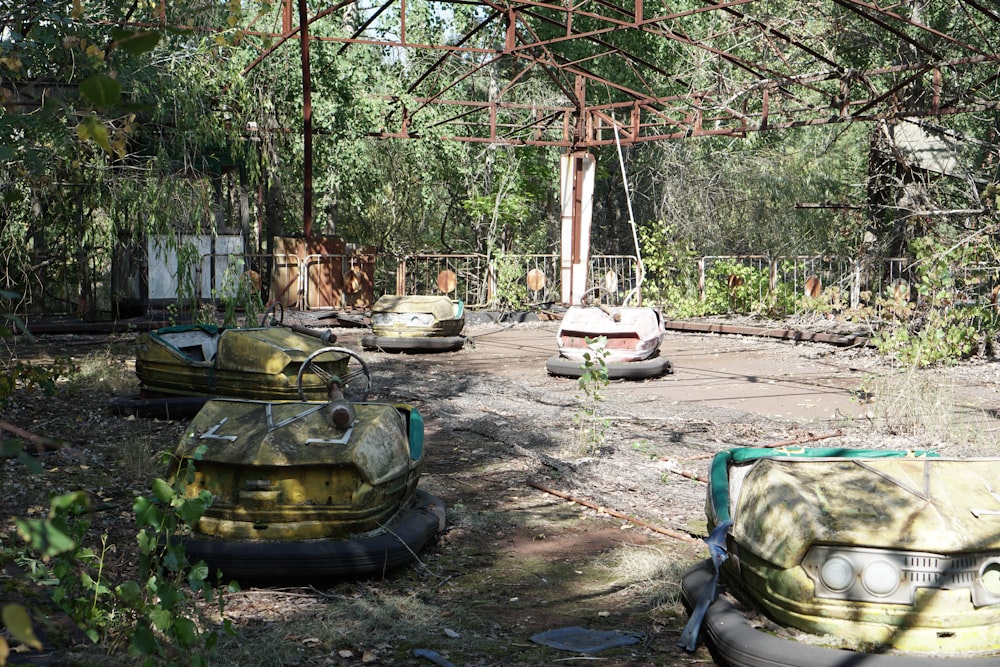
(318, 560)
(174, 407)
(413, 343)
(622, 370)
(733, 640)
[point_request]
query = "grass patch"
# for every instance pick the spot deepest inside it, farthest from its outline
(910, 405)
(651, 574)
(105, 370)
(353, 623)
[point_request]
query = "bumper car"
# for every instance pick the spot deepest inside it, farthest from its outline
(631, 340)
(852, 557)
(307, 490)
(416, 324)
(181, 367)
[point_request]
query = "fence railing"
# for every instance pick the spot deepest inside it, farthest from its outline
(530, 280)
(512, 281)
(508, 280)
(854, 282)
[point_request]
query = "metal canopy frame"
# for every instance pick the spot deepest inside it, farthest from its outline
(712, 68)
(633, 71)
(720, 68)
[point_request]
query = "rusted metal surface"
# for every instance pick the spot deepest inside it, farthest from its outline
(631, 334)
(307, 171)
(849, 340)
(721, 68)
(327, 273)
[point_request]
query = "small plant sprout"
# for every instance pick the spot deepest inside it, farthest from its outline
(593, 379)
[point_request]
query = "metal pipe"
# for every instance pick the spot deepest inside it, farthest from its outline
(307, 189)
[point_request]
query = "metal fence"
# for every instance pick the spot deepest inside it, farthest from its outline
(469, 277)
(853, 282)
(512, 281)
(504, 281)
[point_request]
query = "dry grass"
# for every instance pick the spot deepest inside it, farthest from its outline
(104, 369)
(922, 406)
(350, 624)
(647, 571)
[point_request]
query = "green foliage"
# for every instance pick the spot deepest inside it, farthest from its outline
(511, 288)
(17, 621)
(670, 270)
(169, 628)
(591, 427)
(731, 286)
(944, 336)
(239, 294)
(944, 326)
(57, 534)
(7, 298)
(157, 614)
(188, 263)
(33, 377)
(127, 120)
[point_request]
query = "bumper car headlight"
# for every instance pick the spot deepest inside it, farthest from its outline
(420, 319)
(403, 319)
(880, 578)
(989, 575)
(837, 573)
(890, 576)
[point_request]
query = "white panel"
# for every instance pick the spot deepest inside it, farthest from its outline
(574, 272)
(162, 271)
(228, 252)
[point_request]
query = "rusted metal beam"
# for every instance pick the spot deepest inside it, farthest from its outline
(677, 535)
(771, 75)
(307, 135)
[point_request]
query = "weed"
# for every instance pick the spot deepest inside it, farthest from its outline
(904, 404)
(945, 326)
(511, 290)
(591, 427)
(157, 614)
(646, 571)
(33, 377)
(670, 275)
(169, 626)
(188, 272)
(239, 294)
(646, 448)
(103, 368)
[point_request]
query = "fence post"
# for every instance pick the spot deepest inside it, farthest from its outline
(491, 279)
(401, 277)
(855, 284)
(701, 279)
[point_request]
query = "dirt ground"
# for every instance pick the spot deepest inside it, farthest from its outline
(546, 530)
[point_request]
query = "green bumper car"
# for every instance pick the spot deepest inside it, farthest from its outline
(870, 557)
(181, 367)
(307, 490)
(416, 324)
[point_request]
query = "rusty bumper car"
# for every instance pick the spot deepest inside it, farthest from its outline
(181, 367)
(416, 324)
(307, 490)
(850, 557)
(629, 336)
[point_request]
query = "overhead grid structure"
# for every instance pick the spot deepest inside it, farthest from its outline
(579, 74)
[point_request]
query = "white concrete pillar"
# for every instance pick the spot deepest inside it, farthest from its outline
(577, 173)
